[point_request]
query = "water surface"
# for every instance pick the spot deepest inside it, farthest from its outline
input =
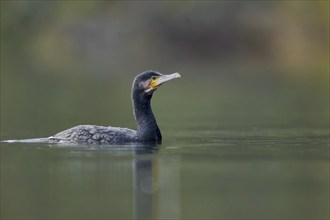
(195, 174)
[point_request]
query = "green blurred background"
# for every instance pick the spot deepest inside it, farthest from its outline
(243, 63)
(245, 129)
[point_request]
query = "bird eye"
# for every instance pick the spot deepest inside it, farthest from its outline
(153, 77)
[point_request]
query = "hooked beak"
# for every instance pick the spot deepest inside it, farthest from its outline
(155, 83)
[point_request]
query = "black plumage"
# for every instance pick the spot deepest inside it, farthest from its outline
(147, 131)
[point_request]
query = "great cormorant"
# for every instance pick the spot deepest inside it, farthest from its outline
(147, 131)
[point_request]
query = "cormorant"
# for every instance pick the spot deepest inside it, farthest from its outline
(147, 131)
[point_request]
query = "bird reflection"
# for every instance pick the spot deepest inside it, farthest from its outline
(155, 185)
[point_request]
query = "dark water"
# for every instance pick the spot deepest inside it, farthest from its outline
(195, 174)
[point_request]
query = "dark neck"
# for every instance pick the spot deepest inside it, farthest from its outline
(147, 128)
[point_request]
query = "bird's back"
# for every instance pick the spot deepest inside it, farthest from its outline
(93, 134)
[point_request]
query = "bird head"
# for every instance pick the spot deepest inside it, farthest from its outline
(147, 82)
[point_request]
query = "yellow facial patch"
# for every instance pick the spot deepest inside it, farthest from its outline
(153, 83)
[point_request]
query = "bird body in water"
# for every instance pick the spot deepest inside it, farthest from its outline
(147, 131)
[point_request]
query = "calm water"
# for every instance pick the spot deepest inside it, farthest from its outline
(195, 174)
